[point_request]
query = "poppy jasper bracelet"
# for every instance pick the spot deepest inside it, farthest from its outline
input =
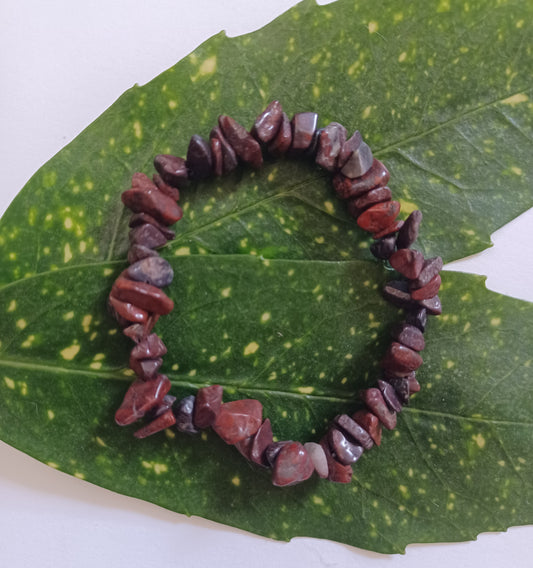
(137, 301)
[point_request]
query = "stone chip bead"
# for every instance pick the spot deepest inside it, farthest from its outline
(400, 360)
(172, 169)
(154, 202)
(207, 406)
(293, 465)
(389, 396)
(337, 472)
(355, 158)
(377, 195)
(383, 248)
(377, 405)
(149, 347)
(318, 457)
(260, 442)
(397, 292)
(238, 419)
(144, 219)
(303, 126)
(268, 123)
(199, 157)
(418, 317)
(410, 336)
(146, 369)
(282, 142)
(370, 423)
(407, 262)
(147, 236)
(229, 157)
(216, 151)
(272, 451)
(378, 216)
(138, 252)
(152, 270)
(377, 176)
(145, 296)
(343, 450)
(428, 291)
(354, 431)
(245, 146)
(162, 422)
(184, 412)
(330, 142)
(432, 306)
(141, 397)
(170, 190)
(408, 234)
(127, 310)
(432, 266)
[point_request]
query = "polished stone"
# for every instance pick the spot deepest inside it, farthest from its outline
(268, 123)
(377, 405)
(152, 270)
(246, 147)
(141, 397)
(293, 465)
(207, 405)
(238, 419)
(172, 169)
(142, 295)
(330, 142)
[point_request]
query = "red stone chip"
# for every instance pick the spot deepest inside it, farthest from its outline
(429, 290)
(370, 423)
(207, 406)
(293, 465)
(141, 397)
(238, 419)
(377, 176)
(400, 360)
(153, 202)
(162, 422)
(142, 295)
(336, 471)
(246, 147)
(407, 262)
(379, 216)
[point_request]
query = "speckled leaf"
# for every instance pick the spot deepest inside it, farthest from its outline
(276, 292)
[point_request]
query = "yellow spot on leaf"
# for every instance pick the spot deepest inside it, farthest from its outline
(10, 383)
(67, 253)
(407, 206)
(265, 317)
(137, 129)
(12, 306)
(516, 99)
(226, 292)
(236, 481)
(51, 414)
(373, 27)
(21, 323)
(479, 440)
(70, 352)
(182, 251)
(306, 390)
(251, 348)
(495, 321)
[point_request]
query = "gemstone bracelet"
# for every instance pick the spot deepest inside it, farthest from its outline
(136, 299)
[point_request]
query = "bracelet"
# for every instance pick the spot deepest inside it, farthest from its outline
(136, 299)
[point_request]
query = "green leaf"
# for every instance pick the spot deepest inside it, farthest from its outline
(277, 296)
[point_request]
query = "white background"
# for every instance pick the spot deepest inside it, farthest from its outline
(62, 63)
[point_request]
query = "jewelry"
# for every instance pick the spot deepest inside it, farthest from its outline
(137, 300)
